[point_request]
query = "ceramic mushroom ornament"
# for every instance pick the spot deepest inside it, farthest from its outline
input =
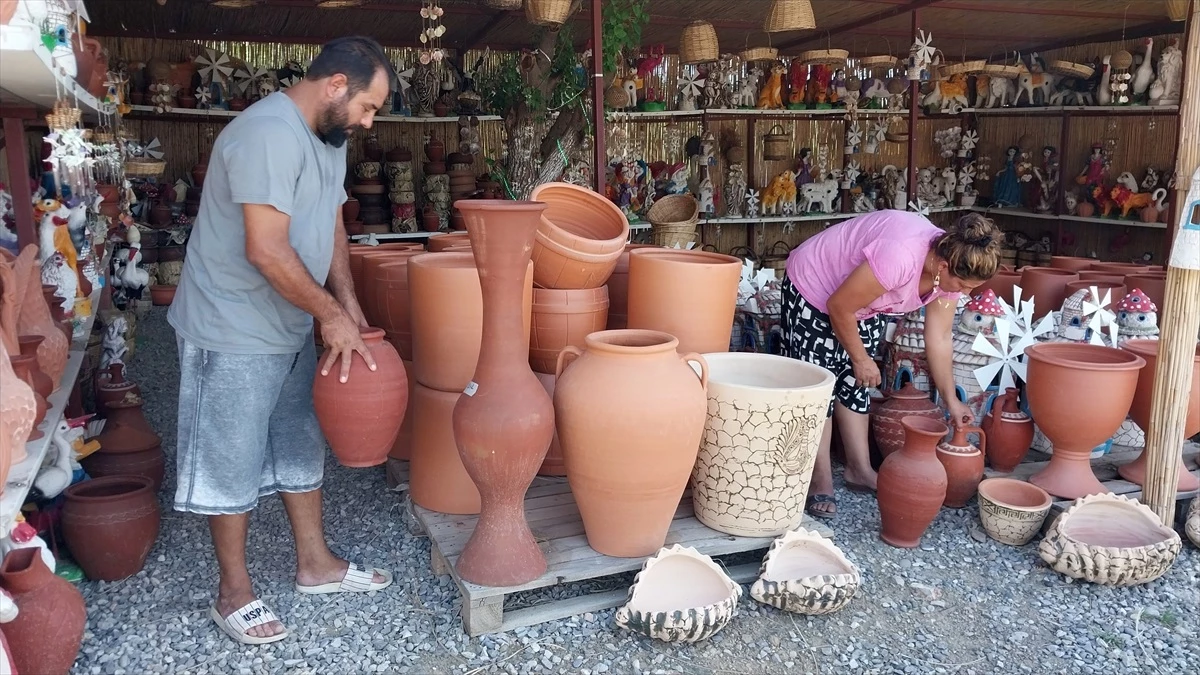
(1137, 317)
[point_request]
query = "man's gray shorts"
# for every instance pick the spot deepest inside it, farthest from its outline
(247, 428)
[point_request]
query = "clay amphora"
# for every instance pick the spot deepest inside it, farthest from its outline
(504, 420)
(361, 416)
(963, 462)
(689, 294)
(912, 483)
(52, 303)
(23, 368)
(45, 636)
(18, 410)
(41, 381)
(1153, 284)
(402, 447)
(1071, 263)
(553, 465)
(628, 454)
(110, 525)
(1109, 376)
(1009, 432)
(1047, 286)
(618, 290)
(34, 317)
(440, 242)
(1139, 411)
(126, 428)
(375, 289)
(885, 418)
(437, 479)
(149, 463)
(561, 318)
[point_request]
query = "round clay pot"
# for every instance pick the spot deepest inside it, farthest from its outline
(238, 104)
(689, 294)
(387, 296)
(354, 227)
(456, 222)
(912, 483)
(561, 318)
(437, 479)
(885, 417)
(440, 242)
(1114, 291)
(149, 464)
(23, 367)
(41, 382)
(1120, 268)
(435, 168)
(1109, 376)
(1139, 411)
(361, 416)
(126, 428)
(1009, 432)
(778, 406)
(618, 289)
(108, 192)
(161, 296)
(1012, 511)
(1046, 286)
(435, 150)
(1085, 210)
(111, 210)
(430, 220)
(1109, 277)
(579, 239)
(110, 525)
(1071, 263)
(1153, 284)
(1001, 284)
(554, 464)
(160, 214)
(963, 462)
(402, 448)
(45, 635)
(629, 454)
(191, 209)
(185, 101)
(350, 210)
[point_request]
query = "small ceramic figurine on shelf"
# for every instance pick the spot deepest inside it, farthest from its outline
(1104, 83)
(1046, 189)
(771, 97)
(748, 92)
(1006, 190)
(1144, 75)
(1097, 167)
(707, 197)
(1166, 89)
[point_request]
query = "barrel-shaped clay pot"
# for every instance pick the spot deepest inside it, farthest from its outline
(1047, 286)
(1114, 291)
(618, 289)
(1153, 284)
(440, 242)
(630, 414)
(1139, 411)
(689, 294)
(1071, 263)
(110, 525)
(561, 318)
(437, 479)
(579, 239)
(761, 436)
(402, 448)
(386, 303)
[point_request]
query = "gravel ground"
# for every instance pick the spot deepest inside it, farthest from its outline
(959, 604)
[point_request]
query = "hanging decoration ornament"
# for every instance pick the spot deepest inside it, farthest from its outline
(432, 31)
(920, 56)
(203, 98)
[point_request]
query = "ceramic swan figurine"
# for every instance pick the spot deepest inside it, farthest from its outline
(55, 474)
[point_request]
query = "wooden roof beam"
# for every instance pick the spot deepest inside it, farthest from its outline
(860, 23)
(478, 36)
(1164, 27)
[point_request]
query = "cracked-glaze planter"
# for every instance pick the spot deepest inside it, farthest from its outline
(1139, 411)
(761, 436)
(1111, 540)
(1191, 525)
(679, 595)
(1012, 511)
(807, 574)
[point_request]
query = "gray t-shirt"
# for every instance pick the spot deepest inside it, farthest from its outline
(267, 155)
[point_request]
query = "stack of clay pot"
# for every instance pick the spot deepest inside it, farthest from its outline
(401, 189)
(129, 446)
(191, 207)
(462, 184)
(436, 212)
(350, 211)
(371, 194)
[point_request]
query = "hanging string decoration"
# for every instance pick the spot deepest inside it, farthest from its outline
(431, 34)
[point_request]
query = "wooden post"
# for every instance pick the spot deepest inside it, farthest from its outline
(601, 153)
(18, 181)
(1181, 304)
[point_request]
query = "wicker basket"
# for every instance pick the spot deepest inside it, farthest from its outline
(672, 234)
(776, 256)
(777, 144)
(698, 43)
(997, 70)
(674, 210)
(830, 57)
(760, 54)
(145, 168)
(1071, 69)
(547, 12)
(878, 61)
(786, 15)
(964, 68)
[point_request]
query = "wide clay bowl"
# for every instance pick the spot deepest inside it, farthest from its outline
(1079, 394)
(1046, 286)
(1139, 411)
(680, 595)
(1071, 263)
(1012, 511)
(1112, 540)
(807, 574)
(1191, 525)
(440, 242)
(580, 219)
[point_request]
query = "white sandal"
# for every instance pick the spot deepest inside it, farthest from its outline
(250, 615)
(357, 580)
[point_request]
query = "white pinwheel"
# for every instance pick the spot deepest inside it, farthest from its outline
(203, 98)
(214, 66)
(691, 84)
(854, 135)
(852, 172)
(1005, 357)
(242, 79)
(1095, 310)
(970, 139)
(922, 50)
(153, 149)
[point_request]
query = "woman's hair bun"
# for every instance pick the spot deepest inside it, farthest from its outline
(976, 230)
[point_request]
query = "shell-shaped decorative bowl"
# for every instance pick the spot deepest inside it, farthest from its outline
(1112, 540)
(680, 595)
(807, 574)
(1191, 525)
(1012, 511)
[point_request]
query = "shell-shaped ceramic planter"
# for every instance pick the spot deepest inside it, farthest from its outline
(1191, 526)
(1112, 540)
(807, 574)
(680, 595)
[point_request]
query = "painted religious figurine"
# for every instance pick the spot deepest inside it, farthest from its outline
(1007, 189)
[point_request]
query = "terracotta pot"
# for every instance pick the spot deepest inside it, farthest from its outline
(435, 150)
(754, 482)
(1108, 277)
(1139, 411)
(1085, 210)
(1012, 511)
(447, 318)
(8, 8)
(579, 239)
(110, 525)
(126, 428)
(554, 464)
(110, 210)
(1149, 214)
(23, 367)
(1047, 287)
(430, 221)
(200, 170)
(149, 464)
(370, 262)
(457, 222)
(1001, 284)
(912, 483)
(361, 416)
(186, 101)
(387, 302)
(54, 304)
(504, 421)
(1114, 291)
(45, 636)
(1009, 432)
(434, 168)
(350, 210)
(963, 462)
(561, 318)
(89, 55)
(1109, 376)
(885, 418)
(357, 251)
(402, 448)
(618, 289)
(41, 381)
(1153, 284)
(628, 454)
(440, 242)
(112, 387)
(1120, 268)
(34, 317)
(354, 228)
(437, 479)
(689, 294)
(441, 108)
(238, 104)
(161, 296)
(160, 214)
(1071, 263)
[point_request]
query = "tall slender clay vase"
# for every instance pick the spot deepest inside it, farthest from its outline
(504, 421)
(1135, 471)
(689, 294)
(361, 416)
(1009, 432)
(630, 414)
(110, 525)
(963, 462)
(885, 418)
(912, 483)
(1047, 286)
(41, 381)
(44, 638)
(1056, 373)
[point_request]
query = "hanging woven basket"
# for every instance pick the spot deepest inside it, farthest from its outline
(828, 57)
(1071, 69)
(786, 15)
(777, 144)
(698, 43)
(547, 12)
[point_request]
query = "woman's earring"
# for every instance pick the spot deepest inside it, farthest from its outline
(937, 281)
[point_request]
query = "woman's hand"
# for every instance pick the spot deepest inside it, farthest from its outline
(960, 414)
(866, 373)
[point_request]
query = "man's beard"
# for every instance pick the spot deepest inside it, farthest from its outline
(333, 127)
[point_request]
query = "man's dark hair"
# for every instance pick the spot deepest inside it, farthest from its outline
(356, 57)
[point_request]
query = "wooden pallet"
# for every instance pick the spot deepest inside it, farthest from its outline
(556, 523)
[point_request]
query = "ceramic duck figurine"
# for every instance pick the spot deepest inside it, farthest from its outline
(133, 278)
(1137, 317)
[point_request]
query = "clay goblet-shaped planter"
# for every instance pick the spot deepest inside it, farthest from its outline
(111, 524)
(1135, 471)
(680, 595)
(1106, 380)
(1047, 286)
(912, 483)
(1012, 511)
(1111, 540)
(807, 574)
(689, 294)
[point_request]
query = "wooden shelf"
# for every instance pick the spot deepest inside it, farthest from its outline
(617, 115)
(1061, 110)
(147, 112)
(29, 75)
(1026, 213)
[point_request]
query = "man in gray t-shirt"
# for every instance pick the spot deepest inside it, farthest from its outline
(267, 243)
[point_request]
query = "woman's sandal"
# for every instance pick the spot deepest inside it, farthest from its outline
(248, 616)
(820, 499)
(357, 580)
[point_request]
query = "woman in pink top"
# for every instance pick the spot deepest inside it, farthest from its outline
(838, 285)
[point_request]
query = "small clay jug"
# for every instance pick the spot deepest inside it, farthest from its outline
(42, 383)
(885, 418)
(964, 466)
(112, 387)
(45, 636)
(23, 366)
(435, 150)
(110, 525)
(441, 108)
(430, 222)
(200, 170)
(126, 428)
(912, 483)
(1009, 432)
